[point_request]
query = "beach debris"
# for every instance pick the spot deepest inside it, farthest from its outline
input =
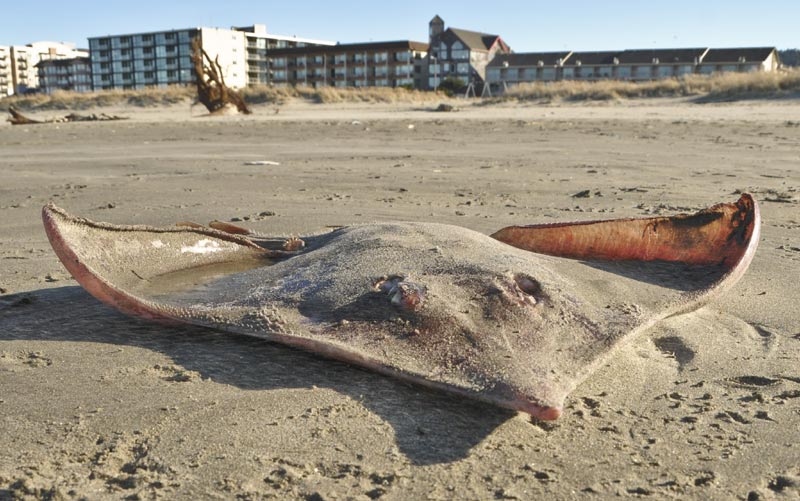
(445, 107)
(18, 118)
(261, 162)
(517, 318)
(212, 91)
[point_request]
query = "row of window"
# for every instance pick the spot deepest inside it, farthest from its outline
(143, 64)
(169, 76)
(358, 71)
(357, 58)
(140, 40)
(144, 52)
(622, 72)
(448, 68)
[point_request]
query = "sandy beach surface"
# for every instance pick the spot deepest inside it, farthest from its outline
(94, 404)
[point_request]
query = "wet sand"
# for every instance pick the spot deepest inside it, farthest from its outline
(95, 404)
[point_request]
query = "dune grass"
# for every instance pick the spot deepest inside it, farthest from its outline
(278, 95)
(64, 100)
(67, 100)
(717, 87)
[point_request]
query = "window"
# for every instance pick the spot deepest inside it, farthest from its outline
(462, 68)
(169, 36)
(147, 38)
(457, 51)
(318, 59)
(339, 58)
(147, 51)
(381, 57)
(149, 74)
(402, 57)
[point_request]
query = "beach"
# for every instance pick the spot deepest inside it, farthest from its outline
(95, 404)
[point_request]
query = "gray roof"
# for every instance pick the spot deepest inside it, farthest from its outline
(528, 58)
(593, 58)
(734, 55)
(663, 56)
(350, 47)
(475, 40)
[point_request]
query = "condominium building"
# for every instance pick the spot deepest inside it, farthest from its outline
(374, 64)
(634, 65)
(6, 84)
(73, 74)
(260, 45)
(460, 55)
(163, 58)
(18, 73)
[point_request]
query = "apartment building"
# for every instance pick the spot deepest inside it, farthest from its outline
(6, 83)
(163, 58)
(18, 73)
(375, 64)
(459, 54)
(743, 59)
(74, 74)
(260, 45)
(635, 65)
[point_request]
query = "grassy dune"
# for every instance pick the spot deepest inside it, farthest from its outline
(722, 86)
(64, 100)
(725, 86)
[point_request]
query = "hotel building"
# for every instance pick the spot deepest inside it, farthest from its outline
(163, 58)
(18, 73)
(374, 64)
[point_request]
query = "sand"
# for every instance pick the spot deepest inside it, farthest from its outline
(97, 405)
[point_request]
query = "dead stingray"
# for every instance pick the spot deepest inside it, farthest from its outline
(435, 304)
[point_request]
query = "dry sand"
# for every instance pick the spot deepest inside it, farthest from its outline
(94, 404)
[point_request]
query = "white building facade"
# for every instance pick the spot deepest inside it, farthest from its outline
(158, 59)
(18, 73)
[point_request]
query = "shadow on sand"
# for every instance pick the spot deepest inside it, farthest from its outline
(430, 427)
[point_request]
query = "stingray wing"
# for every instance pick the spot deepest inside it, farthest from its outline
(724, 236)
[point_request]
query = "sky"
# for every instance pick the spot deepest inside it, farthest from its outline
(527, 26)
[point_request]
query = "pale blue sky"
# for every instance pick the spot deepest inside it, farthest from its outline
(525, 25)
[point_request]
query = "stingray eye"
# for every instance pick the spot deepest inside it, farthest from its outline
(528, 286)
(402, 293)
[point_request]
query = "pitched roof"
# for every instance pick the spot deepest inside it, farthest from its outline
(475, 40)
(349, 47)
(735, 55)
(528, 59)
(437, 19)
(592, 58)
(663, 56)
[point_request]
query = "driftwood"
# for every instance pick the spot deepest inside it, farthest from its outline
(211, 88)
(18, 118)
